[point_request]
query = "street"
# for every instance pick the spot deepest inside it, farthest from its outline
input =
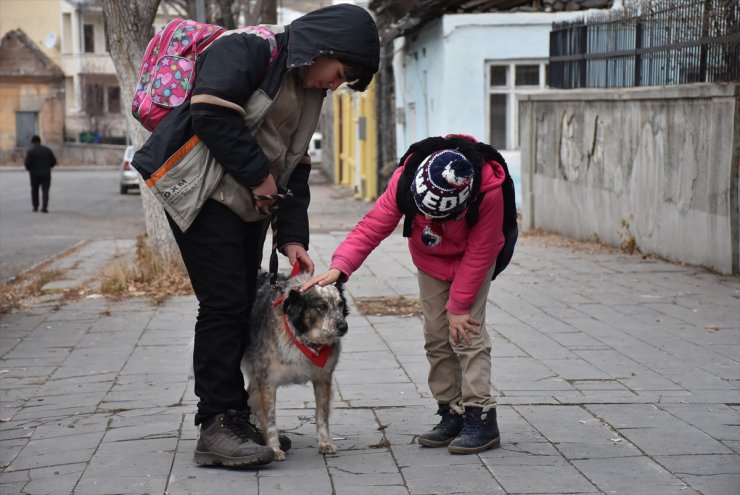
(83, 205)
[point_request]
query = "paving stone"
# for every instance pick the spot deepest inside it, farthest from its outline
(57, 451)
(576, 433)
(123, 428)
(58, 479)
(631, 475)
(187, 478)
(407, 422)
(525, 373)
(414, 455)
(715, 474)
(656, 432)
(575, 369)
(549, 476)
(378, 395)
(382, 375)
(9, 450)
(71, 426)
(717, 420)
(139, 466)
(373, 461)
(458, 478)
(287, 484)
(53, 413)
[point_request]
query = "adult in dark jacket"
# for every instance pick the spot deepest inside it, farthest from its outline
(39, 162)
(249, 122)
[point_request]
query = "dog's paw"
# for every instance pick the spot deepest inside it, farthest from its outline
(279, 455)
(327, 448)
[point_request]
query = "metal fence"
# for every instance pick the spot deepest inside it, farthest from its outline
(652, 43)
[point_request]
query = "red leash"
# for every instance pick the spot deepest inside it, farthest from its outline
(318, 356)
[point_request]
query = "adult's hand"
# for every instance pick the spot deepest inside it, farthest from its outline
(295, 252)
(325, 278)
(268, 186)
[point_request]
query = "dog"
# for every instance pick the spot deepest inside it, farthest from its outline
(294, 338)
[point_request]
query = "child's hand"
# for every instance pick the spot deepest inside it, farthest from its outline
(327, 278)
(460, 325)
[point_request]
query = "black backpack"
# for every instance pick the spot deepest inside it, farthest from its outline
(478, 154)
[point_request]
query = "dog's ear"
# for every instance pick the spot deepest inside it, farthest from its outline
(345, 308)
(293, 307)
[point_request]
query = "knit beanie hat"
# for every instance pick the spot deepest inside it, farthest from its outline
(441, 187)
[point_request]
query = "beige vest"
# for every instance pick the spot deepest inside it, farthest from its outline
(283, 128)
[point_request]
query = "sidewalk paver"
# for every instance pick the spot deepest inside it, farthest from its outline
(614, 374)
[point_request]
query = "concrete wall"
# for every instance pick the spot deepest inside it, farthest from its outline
(72, 154)
(656, 165)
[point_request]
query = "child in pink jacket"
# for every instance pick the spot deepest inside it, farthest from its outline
(455, 264)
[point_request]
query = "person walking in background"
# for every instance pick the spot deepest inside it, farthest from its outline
(455, 200)
(39, 162)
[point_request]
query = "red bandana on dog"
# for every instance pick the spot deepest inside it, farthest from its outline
(318, 355)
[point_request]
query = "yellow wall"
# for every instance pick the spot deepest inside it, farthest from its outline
(9, 98)
(37, 18)
(33, 97)
(356, 163)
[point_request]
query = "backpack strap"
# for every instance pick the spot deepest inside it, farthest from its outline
(507, 188)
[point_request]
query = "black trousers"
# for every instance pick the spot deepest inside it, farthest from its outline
(43, 182)
(221, 253)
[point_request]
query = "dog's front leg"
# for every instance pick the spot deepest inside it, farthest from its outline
(267, 401)
(322, 393)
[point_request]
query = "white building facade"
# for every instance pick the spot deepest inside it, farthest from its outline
(463, 73)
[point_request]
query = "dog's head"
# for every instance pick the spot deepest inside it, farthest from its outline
(319, 314)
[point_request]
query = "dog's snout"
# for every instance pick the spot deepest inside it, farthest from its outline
(342, 327)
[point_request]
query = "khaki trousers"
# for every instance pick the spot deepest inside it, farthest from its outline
(458, 372)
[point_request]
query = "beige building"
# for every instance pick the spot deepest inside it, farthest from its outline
(71, 66)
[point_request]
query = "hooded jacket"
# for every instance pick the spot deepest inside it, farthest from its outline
(254, 117)
(464, 254)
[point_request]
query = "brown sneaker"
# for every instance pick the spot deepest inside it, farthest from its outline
(224, 442)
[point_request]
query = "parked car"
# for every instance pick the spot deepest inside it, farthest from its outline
(128, 176)
(314, 148)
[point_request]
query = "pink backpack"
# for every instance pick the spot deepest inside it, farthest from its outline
(168, 69)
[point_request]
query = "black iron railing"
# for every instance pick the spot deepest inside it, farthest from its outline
(653, 43)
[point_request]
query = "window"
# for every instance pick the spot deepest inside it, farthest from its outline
(507, 80)
(114, 99)
(88, 38)
(94, 99)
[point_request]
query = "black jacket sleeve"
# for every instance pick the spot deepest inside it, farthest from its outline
(229, 71)
(292, 218)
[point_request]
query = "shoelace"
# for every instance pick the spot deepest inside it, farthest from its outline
(472, 425)
(239, 425)
(446, 421)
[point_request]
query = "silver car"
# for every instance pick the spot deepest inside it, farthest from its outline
(128, 176)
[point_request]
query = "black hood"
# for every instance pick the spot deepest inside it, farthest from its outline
(346, 32)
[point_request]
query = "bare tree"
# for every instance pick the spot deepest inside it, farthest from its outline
(128, 26)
